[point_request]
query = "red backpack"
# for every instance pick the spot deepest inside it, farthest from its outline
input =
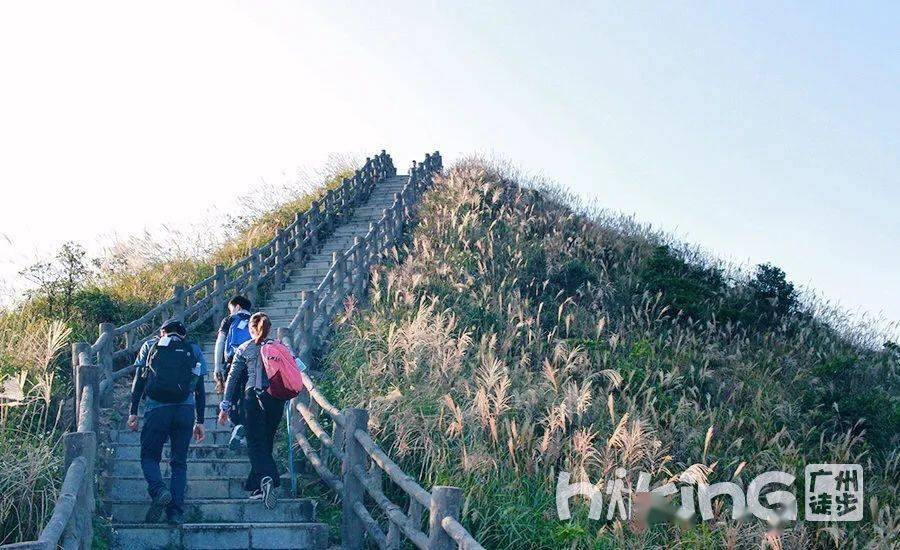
(285, 381)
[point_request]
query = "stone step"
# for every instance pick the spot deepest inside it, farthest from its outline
(195, 451)
(135, 488)
(224, 467)
(215, 536)
(209, 423)
(215, 510)
(218, 435)
(283, 309)
(212, 410)
(283, 300)
(301, 280)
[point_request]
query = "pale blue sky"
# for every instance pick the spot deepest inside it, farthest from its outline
(763, 132)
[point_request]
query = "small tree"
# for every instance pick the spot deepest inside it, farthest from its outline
(73, 272)
(57, 281)
(45, 278)
(773, 293)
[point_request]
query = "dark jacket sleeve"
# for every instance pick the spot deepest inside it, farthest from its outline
(137, 385)
(137, 390)
(200, 400)
(235, 374)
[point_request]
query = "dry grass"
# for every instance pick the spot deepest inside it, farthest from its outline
(29, 419)
(516, 340)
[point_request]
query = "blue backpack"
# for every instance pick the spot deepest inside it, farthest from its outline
(238, 333)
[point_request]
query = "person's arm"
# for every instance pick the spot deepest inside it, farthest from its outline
(200, 401)
(138, 384)
(200, 396)
(219, 355)
(232, 385)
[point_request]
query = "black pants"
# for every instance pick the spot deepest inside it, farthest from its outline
(262, 415)
(236, 412)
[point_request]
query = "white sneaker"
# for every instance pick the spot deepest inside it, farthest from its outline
(268, 492)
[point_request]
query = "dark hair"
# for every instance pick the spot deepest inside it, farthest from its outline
(174, 325)
(240, 301)
(260, 324)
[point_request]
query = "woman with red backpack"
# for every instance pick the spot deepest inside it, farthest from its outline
(272, 379)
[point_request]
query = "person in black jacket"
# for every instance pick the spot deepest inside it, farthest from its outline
(172, 416)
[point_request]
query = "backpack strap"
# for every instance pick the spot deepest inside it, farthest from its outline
(151, 353)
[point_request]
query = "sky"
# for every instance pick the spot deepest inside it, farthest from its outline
(763, 132)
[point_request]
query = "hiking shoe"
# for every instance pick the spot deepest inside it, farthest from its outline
(175, 519)
(268, 491)
(157, 506)
(256, 494)
(237, 438)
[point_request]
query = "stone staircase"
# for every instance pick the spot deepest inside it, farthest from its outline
(218, 514)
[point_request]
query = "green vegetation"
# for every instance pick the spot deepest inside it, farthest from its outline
(70, 295)
(521, 336)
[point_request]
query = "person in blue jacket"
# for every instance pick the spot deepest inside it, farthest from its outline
(168, 377)
(234, 331)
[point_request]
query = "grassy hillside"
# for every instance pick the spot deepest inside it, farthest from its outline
(519, 337)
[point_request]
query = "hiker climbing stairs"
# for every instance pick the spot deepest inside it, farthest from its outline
(218, 513)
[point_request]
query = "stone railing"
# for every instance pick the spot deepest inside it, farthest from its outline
(264, 265)
(348, 460)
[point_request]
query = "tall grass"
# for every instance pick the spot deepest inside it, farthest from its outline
(30, 410)
(521, 337)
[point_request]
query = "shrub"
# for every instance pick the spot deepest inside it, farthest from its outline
(773, 294)
(689, 288)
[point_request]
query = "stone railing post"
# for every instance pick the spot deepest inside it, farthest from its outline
(445, 502)
(105, 359)
(314, 223)
(304, 342)
(375, 243)
(337, 280)
(352, 528)
(386, 230)
(299, 236)
(359, 273)
(82, 444)
(178, 302)
(88, 376)
(279, 258)
(255, 272)
(77, 349)
(219, 306)
(329, 211)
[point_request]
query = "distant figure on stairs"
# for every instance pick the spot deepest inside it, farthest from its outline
(234, 331)
(169, 372)
(262, 412)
